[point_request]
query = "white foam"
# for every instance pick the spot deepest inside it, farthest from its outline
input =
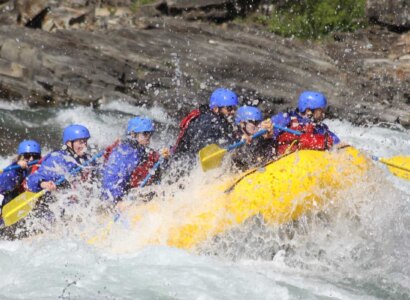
(359, 250)
(13, 105)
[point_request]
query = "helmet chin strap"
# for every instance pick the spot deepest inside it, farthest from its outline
(70, 150)
(132, 138)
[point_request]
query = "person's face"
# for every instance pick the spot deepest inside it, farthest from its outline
(249, 128)
(79, 146)
(30, 156)
(318, 114)
(228, 111)
(144, 138)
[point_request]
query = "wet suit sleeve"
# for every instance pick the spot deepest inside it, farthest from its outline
(335, 138)
(323, 129)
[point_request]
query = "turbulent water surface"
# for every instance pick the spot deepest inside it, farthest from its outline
(357, 250)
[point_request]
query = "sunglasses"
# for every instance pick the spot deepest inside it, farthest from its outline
(146, 133)
(230, 108)
(82, 141)
(35, 156)
(255, 123)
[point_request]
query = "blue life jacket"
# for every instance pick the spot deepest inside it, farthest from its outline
(56, 164)
(118, 170)
(10, 183)
(284, 120)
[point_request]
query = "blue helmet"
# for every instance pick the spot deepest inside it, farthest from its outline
(140, 124)
(75, 132)
(28, 146)
(311, 100)
(223, 97)
(248, 113)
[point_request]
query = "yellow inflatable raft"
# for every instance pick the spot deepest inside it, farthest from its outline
(282, 191)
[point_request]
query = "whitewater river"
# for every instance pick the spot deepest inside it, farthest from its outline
(359, 252)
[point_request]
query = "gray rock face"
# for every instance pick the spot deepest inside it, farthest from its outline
(87, 53)
(51, 15)
(217, 10)
(176, 64)
(395, 13)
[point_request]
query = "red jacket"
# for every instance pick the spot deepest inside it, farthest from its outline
(142, 170)
(183, 126)
(289, 142)
(33, 169)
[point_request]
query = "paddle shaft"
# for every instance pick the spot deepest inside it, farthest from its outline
(80, 167)
(143, 183)
(242, 142)
(375, 158)
(18, 166)
(150, 172)
(260, 133)
(287, 129)
(20, 206)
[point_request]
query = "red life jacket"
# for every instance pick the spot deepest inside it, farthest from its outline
(289, 142)
(184, 126)
(141, 171)
(33, 168)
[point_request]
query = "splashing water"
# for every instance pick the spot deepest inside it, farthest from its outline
(353, 249)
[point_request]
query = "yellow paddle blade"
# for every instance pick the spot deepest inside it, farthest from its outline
(20, 207)
(398, 165)
(211, 156)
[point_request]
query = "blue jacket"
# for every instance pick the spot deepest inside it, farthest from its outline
(118, 170)
(56, 164)
(11, 181)
(284, 119)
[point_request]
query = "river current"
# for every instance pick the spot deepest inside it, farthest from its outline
(360, 251)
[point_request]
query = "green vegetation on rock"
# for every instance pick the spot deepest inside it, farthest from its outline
(314, 19)
(135, 4)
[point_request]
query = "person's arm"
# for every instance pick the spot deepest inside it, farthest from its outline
(324, 129)
(335, 138)
(51, 169)
(268, 126)
(281, 119)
